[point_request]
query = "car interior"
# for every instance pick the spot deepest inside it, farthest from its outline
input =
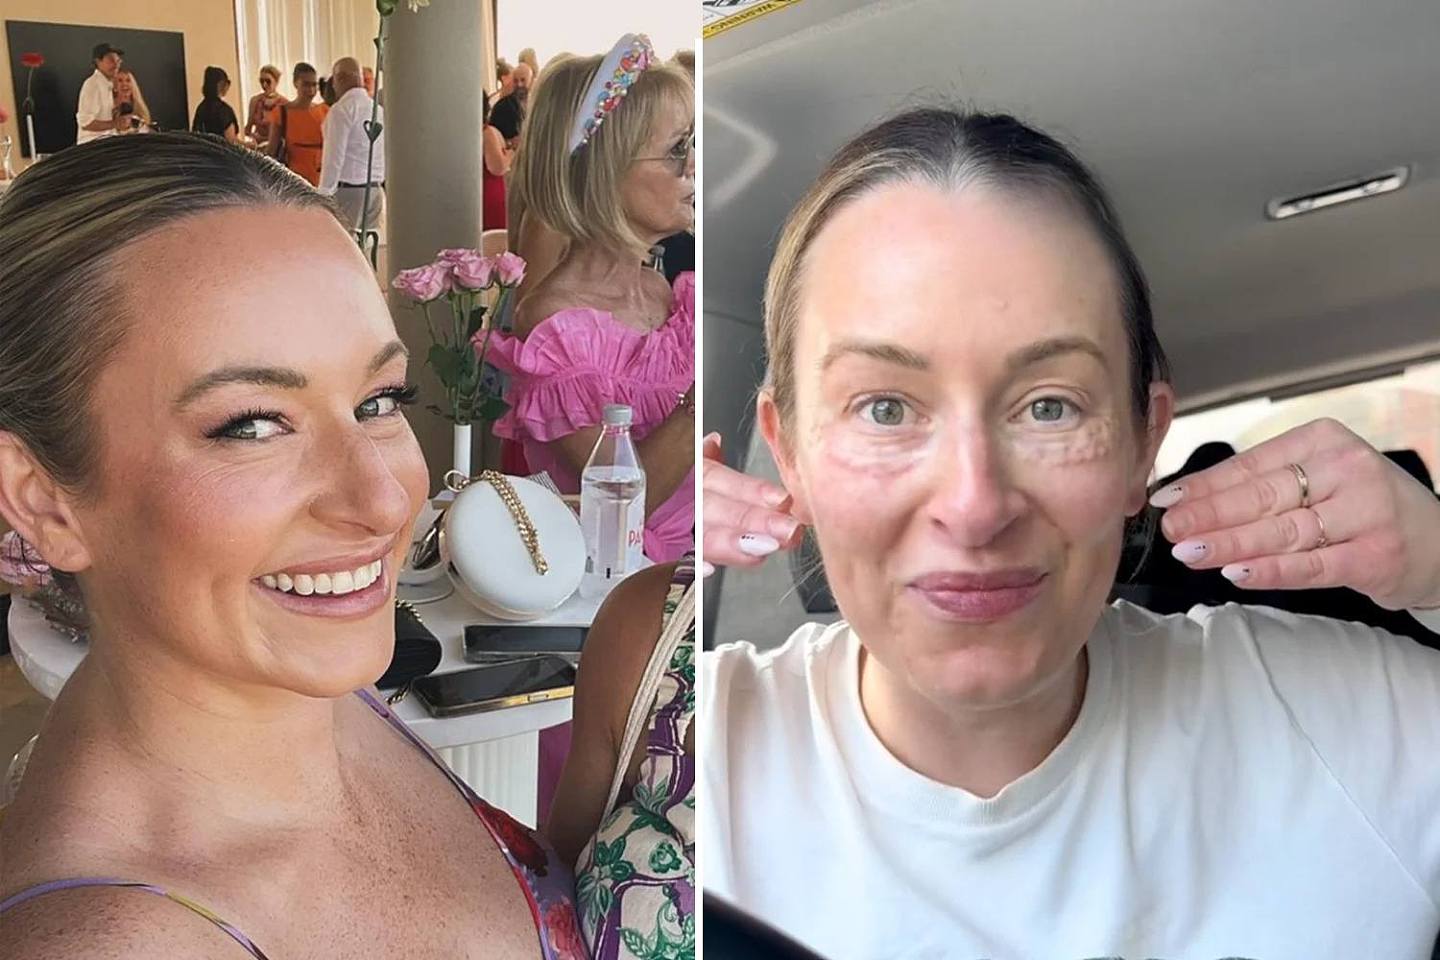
(1274, 167)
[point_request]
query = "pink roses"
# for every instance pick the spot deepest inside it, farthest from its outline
(459, 270)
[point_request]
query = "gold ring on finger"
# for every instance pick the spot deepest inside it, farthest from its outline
(1324, 541)
(1304, 482)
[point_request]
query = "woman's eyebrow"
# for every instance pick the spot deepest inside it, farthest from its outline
(877, 350)
(1042, 350)
(282, 377)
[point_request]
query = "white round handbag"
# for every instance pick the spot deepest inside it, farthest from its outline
(512, 547)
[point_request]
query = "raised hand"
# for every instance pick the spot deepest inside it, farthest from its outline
(1316, 506)
(746, 518)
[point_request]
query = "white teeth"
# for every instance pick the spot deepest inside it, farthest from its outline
(338, 583)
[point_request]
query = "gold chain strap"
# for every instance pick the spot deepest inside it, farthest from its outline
(456, 481)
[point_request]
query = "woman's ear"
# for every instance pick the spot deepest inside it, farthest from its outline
(1162, 414)
(772, 428)
(39, 509)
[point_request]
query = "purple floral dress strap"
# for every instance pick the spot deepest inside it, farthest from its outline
(636, 878)
(30, 893)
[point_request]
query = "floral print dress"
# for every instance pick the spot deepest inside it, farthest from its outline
(635, 880)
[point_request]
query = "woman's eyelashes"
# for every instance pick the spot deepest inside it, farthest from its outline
(257, 424)
(387, 402)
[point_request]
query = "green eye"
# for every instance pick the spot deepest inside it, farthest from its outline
(886, 412)
(1048, 410)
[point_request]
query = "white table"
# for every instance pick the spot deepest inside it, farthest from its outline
(497, 752)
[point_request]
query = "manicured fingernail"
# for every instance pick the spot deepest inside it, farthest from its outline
(706, 569)
(758, 544)
(713, 436)
(1236, 573)
(1167, 496)
(1188, 551)
(784, 528)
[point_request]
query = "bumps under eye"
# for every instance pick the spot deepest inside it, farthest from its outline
(887, 412)
(1048, 410)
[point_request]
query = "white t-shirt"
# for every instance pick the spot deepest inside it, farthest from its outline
(1240, 782)
(97, 102)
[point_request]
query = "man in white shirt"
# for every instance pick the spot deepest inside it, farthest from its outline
(346, 159)
(96, 115)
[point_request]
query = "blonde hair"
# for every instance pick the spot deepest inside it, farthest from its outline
(949, 149)
(271, 71)
(578, 194)
(142, 109)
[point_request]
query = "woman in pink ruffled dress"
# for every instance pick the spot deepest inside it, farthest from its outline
(614, 177)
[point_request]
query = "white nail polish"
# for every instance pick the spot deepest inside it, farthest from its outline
(758, 544)
(1188, 551)
(1236, 573)
(706, 569)
(1167, 496)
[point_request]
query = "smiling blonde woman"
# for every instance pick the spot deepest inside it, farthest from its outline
(985, 759)
(230, 489)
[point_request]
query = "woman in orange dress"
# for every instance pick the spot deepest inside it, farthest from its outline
(297, 128)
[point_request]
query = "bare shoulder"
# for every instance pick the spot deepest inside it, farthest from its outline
(109, 923)
(622, 638)
(539, 305)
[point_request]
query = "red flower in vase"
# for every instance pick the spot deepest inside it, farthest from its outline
(4, 115)
(32, 60)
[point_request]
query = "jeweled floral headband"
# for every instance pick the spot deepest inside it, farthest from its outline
(622, 66)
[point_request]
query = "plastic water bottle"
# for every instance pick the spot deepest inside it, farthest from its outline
(612, 506)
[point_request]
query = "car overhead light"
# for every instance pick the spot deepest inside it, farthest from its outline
(1373, 186)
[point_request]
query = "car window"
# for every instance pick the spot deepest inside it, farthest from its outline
(1393, 413)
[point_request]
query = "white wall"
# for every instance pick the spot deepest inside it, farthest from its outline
(567, 26)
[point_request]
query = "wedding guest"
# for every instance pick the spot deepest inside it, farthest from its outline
(601, 328)
(213, 115)
(257, 125)
(624, 810)
(347, 158)
(297, 132)
(229, 490)
(508, 114)
(496, 159)
(367, 74)
(130, 101)
(96, 114)
(504, 77)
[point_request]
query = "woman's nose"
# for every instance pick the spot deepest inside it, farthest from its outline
(359, 484)
(973, 498)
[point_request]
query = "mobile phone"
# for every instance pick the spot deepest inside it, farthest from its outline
(487, 644)
(495, 686)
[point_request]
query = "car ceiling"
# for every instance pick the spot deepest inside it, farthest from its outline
(1194, 114)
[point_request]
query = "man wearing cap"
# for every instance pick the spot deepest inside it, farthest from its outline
(97, 115)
